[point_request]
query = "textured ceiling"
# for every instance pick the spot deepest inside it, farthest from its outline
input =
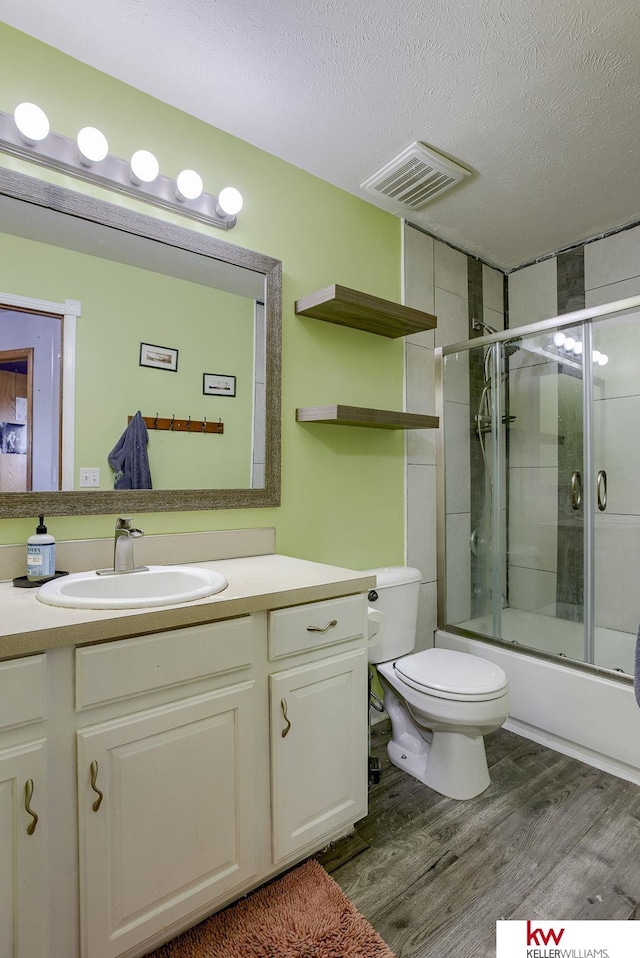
(538, 98)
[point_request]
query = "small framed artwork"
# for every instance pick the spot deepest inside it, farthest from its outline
(159, 357)
(216, 384)
(13, 438)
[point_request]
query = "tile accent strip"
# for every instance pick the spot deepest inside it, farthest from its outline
(571, 292)
(570, 575)
(480, 581)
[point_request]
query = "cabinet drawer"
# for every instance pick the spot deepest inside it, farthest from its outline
(117, 670)
(23, 691)
(318, 624)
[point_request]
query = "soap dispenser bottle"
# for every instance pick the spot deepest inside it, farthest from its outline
(41, 554)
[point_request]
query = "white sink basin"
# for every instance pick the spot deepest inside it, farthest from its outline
(158, 585)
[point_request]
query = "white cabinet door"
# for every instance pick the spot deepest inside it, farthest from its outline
(24, 912)
(318, 749)
(175, 829)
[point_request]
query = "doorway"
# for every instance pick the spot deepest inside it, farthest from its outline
(31, 389)
(16, 420)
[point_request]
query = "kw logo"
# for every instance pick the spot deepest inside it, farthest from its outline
(545, 937)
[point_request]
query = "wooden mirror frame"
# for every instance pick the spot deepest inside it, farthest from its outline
(25, 504)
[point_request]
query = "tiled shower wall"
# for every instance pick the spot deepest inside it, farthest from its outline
(457, 288)
(454, 286)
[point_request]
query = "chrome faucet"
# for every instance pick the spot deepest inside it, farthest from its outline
(123, 549)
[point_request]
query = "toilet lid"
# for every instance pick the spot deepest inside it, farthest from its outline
(451, 672)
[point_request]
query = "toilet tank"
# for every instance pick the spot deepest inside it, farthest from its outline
(396, 595)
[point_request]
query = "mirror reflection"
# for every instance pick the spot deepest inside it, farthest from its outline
(100, 322)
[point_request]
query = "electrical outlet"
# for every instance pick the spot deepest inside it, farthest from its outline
(89, 477)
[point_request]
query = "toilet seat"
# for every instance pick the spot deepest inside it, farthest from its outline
(452, 675)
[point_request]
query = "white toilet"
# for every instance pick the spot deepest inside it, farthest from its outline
(440, 702)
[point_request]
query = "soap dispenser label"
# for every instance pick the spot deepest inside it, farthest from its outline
(40, 560)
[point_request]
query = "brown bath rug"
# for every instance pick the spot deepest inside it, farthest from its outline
(304, 914)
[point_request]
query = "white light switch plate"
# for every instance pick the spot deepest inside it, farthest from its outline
(89, 477)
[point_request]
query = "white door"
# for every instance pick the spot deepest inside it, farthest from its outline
(174, 830)
(24, 912)
(318, 749)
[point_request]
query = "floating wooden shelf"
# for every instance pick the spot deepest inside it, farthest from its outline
(348, 307)
(360, 416)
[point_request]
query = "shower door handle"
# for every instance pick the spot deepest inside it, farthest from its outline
(576, 490)
(601, 488)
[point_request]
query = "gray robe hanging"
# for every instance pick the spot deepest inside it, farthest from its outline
(128, 458)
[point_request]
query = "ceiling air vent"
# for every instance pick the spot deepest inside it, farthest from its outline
(414, 178)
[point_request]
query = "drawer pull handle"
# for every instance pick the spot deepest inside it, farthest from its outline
(316, 628)
(94, 779)
(283, 706)
(28, 794)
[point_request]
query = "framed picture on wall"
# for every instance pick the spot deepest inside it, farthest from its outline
(217, 384)
(159, 357)
(13, 438)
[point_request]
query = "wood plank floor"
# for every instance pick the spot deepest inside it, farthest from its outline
(550, 839)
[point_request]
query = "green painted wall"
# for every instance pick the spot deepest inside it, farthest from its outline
(342, 488)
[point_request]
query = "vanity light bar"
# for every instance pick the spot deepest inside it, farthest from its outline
(88, 159)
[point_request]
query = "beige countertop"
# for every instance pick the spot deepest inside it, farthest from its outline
(256, 584)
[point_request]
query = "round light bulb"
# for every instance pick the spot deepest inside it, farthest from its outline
(569, 343)
(144, 167)
(603, 359)
(189, 185)
(559, 338)
(577, 349)
(596, 355)
(32, 123)
(230, 201)
(92, 145)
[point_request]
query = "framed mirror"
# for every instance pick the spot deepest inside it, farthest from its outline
(106, 313)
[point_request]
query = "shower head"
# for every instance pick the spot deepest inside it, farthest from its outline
(511, 346)
(477, 325)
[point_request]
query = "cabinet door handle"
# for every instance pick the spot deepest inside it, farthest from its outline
(28, 794)
(94, 779)
(576, 490)
(601, 486)
(283, 706)
(316, 628)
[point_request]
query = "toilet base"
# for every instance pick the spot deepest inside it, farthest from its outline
(452, 764)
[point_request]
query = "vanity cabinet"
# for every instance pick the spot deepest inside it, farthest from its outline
(166, 795)
(318, 740)
(24, 799)
(24, 910)
(185, 768)
(166, 815)
(318, 721)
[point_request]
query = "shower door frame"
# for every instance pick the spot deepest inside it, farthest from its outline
(583, 317)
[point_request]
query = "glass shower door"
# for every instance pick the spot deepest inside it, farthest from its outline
(541, 511)
(616, 493)
(544, 603)
(514, 504)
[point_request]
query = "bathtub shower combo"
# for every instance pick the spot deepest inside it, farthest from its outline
(539, 522)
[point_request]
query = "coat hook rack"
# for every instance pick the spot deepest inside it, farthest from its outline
(155, 423)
